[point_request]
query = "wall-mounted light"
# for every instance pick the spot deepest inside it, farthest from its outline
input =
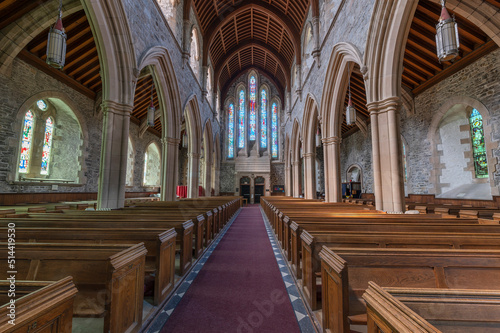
(56, 43)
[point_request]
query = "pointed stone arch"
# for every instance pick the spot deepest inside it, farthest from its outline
(194, 130)
(309, 126)
(288, 167)
(159, 60)
(208, 148)
(216, 165)
(295, 144)
(343, 58)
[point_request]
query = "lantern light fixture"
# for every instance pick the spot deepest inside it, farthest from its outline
(151, 110)
(350, 111)
(447, 43)
(56, 43)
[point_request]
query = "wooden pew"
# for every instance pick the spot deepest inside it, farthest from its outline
(346, 272)
(313, 242)
(109, 278)
(160, 244)
(184, 230)
(39, 306)
(431, 310)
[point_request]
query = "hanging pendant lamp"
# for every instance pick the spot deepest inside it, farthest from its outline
(447, 43)
(151, 110)
(56, 43)
(350, 111)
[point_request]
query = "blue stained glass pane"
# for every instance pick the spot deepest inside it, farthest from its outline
(263, 117)
(478, 146)
(47, 145)
(26, 142)
(253, 113)
(404, 163)
(230, 150)
(241, 134)
(274, 131)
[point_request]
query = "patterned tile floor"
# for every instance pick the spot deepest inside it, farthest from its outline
(305, 323)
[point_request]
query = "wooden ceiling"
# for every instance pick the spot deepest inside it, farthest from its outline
(254, 33)
(421, 68)
(82, 68)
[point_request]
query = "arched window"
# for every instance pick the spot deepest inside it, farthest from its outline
(405, 168)
(152, 166)
(195, 52)
(263, 119)
(253, 112)
(26, 142)
(130, 164)
(230, 136)
(47, 145)
(241, 134)
(274, 130)
(478, 146)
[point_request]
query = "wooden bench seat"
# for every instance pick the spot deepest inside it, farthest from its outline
(44, 306)
(431, 310)
(160, 244)
(184, 230)
(346, 272)
(109, 278)
(313, 242)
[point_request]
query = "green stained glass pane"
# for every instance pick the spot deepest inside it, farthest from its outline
(478, 146)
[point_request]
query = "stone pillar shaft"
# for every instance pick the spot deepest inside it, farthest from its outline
(170, 167)
(333, 189)
(193, 175)
(310, 176)
(288, 181)
(296, 178)
(387, 155)
(114, 150)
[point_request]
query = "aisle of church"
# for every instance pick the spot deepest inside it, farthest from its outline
(239, 288)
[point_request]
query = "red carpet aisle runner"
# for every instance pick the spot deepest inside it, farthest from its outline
(239, 289)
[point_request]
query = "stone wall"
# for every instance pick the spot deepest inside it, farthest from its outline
(24, 83)
(227, 173)
(479, 81)
(277, 174)
(357, 149)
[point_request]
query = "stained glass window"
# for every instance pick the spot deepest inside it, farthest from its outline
(404, 163)
(252, 122)
(478, 146)
(241, 134)
(26, 142)
(144, 178)
(47, 144)
(263, 119)
(41, 105)
(230, 150)
(274, 130)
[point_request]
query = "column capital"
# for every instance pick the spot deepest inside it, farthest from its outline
(170, 141)
(308, 155)
(194, 155)
(331, 141)
(120, 109)
(388, 104)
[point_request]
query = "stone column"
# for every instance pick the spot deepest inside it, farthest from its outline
(216, 180)
(387, 155)
(288, 181)
(298, 70)
(170, 168)
(310, 176)
(333, 187)
(317, 43)
(204, 90)
(296, 179)
(114, 149)
(193, 174)
(208, 175)
(186, 42)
